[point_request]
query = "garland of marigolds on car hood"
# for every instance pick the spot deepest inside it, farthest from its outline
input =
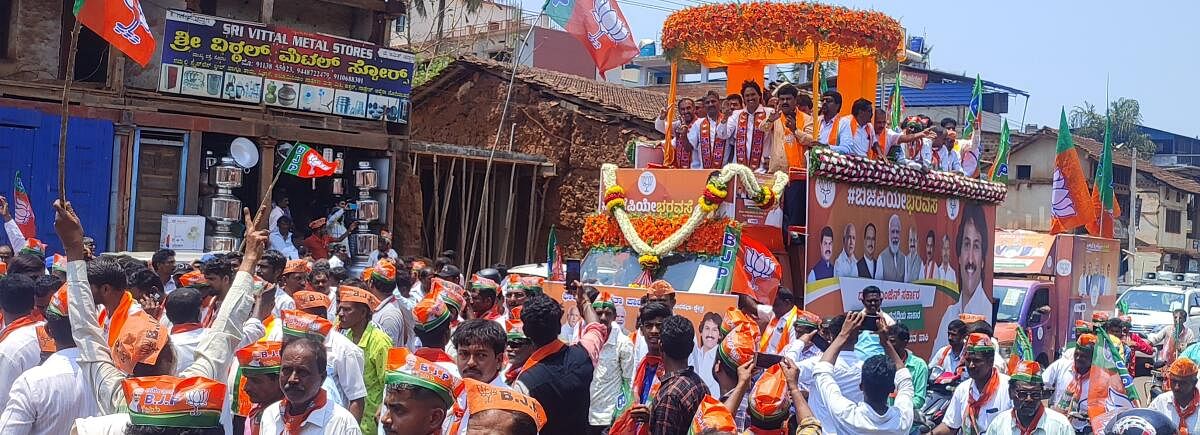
(715, 192)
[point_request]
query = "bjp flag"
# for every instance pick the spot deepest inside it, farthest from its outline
(757, 273)
(600, 26)
(121, 23)
(1070, 202)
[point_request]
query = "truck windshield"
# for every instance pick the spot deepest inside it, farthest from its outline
(1011, 299)
(1151, 300)
(685, 273)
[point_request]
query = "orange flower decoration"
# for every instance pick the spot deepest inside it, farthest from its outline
(602, 231)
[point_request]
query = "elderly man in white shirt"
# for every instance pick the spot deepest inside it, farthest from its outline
(1179, 404)
(846, 263)
(880, 378)
(303, 393)
(855, 133)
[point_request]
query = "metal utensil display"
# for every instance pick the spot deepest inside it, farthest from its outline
(365, 179)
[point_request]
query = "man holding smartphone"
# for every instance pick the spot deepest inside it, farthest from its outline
(868, 343)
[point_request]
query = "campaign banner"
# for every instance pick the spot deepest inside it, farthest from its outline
(1092, 263)
(665, 191)
(695, 306)
(254, 63)
(928, 255)
(1023, 252)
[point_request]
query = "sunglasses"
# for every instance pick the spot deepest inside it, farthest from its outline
(1028, 395)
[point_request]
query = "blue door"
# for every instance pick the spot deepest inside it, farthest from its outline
(29, 143)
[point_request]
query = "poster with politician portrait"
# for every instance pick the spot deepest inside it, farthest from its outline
(929, 255)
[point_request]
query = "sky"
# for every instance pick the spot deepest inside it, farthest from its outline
(1060, 52)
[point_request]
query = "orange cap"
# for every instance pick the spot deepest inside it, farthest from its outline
(194, 279)
(141, 339)
(712, 414)
(384, 268)
(769, 400)
(296, 266)
(301, 324)
(1183, 367)
(483, 397)
(660, 288)
(310, 299)
(261, 357)
(354, 294)
(168, 401)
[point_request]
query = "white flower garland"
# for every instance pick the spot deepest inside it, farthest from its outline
(608, 178)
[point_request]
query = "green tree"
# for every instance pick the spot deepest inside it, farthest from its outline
(1126, 116)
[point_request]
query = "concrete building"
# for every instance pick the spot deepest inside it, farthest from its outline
(1168, 235)
(140, 148)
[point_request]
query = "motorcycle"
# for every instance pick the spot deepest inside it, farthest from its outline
(937, 399)
(1158, 384)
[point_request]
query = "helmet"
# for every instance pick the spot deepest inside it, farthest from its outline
(1139, 422)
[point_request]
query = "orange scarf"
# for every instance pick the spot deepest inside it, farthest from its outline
(791, 146)
(292, 424)
(21, 322)
(185, 327)
(876, 152)
(1185, 413)
(785, 336)
(974, 406)
(1033, 424)
(1073, 394)
(538, 355)
(119, 316)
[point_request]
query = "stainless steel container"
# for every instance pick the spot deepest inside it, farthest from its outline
(339, 186)
(368, 210)
(226, 175)
(221, 243)
(365, 244)
(365, 177)
(222, 207)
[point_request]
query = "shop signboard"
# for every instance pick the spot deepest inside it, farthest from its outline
(254, 63)
(930, 256)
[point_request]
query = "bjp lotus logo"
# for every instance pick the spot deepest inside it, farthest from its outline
(610, 22)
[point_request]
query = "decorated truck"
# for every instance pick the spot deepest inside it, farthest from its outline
(1045, 283)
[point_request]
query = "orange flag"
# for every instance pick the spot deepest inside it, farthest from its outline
(757, 272)
(1070, 205)
(121, 23)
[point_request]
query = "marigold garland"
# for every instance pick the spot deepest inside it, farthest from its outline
(714, 30)
(601, 230)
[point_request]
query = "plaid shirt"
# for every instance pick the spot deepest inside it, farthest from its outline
(679, 395)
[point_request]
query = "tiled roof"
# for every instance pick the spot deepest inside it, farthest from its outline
(1094, 149)
(640, 104)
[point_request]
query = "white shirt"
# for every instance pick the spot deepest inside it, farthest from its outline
(283, 244)
(1162, 336)
(978, 304)
(276, 213)
(826, 127)
(956, 413)
(185, 345)
(111, 424)
(852, 140)
(334, 261)
(328, 419)
(948, 160)
(713, 136)
(614, 367)
(945, 359)
(847, 374)
(283, 301)
(1059, 376)
(374, 257)
(800, 350)
(19, 352)
(946, 273)
(47, 399)
(1165, 404)
(845, 265)
(856, 417)
(1052, 423)
(16, 238)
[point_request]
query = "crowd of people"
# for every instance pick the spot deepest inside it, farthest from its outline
(774, 135)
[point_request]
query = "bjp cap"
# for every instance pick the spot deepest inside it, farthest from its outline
(306, 299)
(296, 266)
(297, 323)
(405, 368)
(261, 357)
(431, 312)
(484, 397)
(169, 401)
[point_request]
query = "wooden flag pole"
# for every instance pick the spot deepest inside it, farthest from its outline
(66, 112)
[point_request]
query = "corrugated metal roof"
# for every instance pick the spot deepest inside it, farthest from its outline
(934, 94)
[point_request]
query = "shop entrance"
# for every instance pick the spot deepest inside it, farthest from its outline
(160, 168)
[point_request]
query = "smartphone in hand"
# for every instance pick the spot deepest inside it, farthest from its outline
(766, 360)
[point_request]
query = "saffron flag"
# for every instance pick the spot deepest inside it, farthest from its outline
(1110, 384)
(1070, 206)
(600, 26)
(121, 23)
(999, 172)
(974, 109)
(554, 259)
(757, 272)
(1103, 199)
(305, 162)
(23, 209)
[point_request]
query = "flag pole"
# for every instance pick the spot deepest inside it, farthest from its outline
(66, 112)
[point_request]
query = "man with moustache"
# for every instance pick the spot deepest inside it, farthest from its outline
(752, 147)
(973, 247)
(912, 261)
(685, 155)
(708, 135)
(790, 132)
(823, 268)
(868, 265)
(305, 408)
(846, 264)
(929, 267)
(983, 397)
(892, 260)
(831, 104)
(1028, 415)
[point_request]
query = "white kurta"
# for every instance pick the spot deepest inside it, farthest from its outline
(847, 374)
(1052, 423)
(956, 412)
(18, 352)
(185, 345)
(48, 398)
(328, 419)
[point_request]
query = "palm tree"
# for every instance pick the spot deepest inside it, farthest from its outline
(1126, 118)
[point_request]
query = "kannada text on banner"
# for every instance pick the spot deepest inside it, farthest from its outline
(213, 57)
